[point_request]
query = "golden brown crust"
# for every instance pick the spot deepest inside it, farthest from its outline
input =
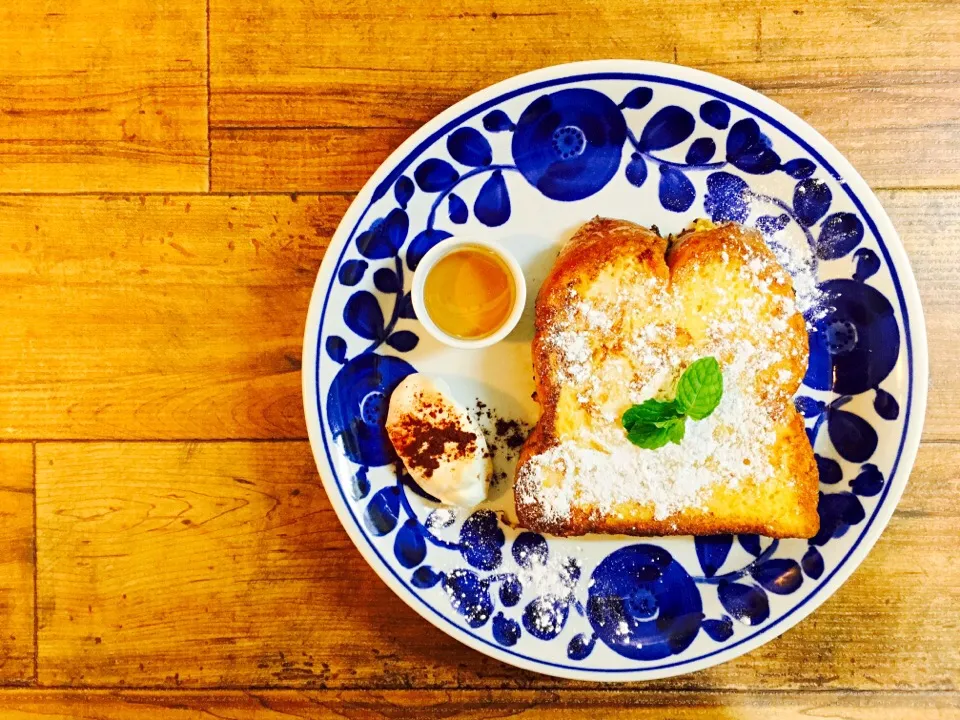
(598, 245)
(594, 246)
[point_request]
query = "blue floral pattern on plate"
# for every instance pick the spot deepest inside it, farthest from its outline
(640, 145)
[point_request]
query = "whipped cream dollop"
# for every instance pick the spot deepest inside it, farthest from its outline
(439, 442)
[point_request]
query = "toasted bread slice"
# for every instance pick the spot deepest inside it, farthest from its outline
(618, 319)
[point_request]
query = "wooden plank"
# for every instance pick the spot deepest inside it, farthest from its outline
(194, 565)
(209, 564)
(331, 160)
(181, 317)
(929, 225)
(388, 65)
(17, 649)
(157, 316)
(422, 50)
(895, 136)
(857, 36)
(474, 704)
(880, 81)
(205, 343)
(103, 95)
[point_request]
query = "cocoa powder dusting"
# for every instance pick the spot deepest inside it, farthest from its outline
(424, 443)
(511, 432)
(505, 436)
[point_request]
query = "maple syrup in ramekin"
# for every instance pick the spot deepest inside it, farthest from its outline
(470, 292)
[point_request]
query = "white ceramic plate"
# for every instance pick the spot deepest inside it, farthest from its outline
(523, 164)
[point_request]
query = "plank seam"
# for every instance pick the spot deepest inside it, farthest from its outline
(192, 441)
(209, 142)
(613, 688)
(36, 592)
(284, 128)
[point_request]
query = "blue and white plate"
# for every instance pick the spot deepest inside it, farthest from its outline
(524, 163)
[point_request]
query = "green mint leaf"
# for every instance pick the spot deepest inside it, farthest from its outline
(654, 423)
(651, 412)
(649, 437)
(700, 388)
(677, 428)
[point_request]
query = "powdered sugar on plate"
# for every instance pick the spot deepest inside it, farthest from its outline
(443, 516)
(794, 253)
(552, 581)
(555, 577)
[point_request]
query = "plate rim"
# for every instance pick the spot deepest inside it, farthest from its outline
(902, 277)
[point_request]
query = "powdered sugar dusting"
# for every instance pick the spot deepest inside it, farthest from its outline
(554, 577)
(794, 253)
(552, 580)
(573, 341)
(443, 516)
(611, 360)
(603, 470)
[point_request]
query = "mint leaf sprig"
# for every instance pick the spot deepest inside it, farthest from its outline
(654, 423)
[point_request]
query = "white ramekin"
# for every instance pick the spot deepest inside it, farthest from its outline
(433, 256)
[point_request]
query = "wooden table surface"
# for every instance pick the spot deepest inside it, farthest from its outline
(170, 176)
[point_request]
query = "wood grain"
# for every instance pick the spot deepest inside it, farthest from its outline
(202, 573)
(475, 705)
(874, 78)
(331, 160)
(157, 316)
(16, 564)
(103, 95)
(397, 64)
(194, 565)
(914, 150)
(902, 35)
(929, 226)
(180, 317)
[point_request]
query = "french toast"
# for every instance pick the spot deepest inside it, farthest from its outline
(620, 316)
